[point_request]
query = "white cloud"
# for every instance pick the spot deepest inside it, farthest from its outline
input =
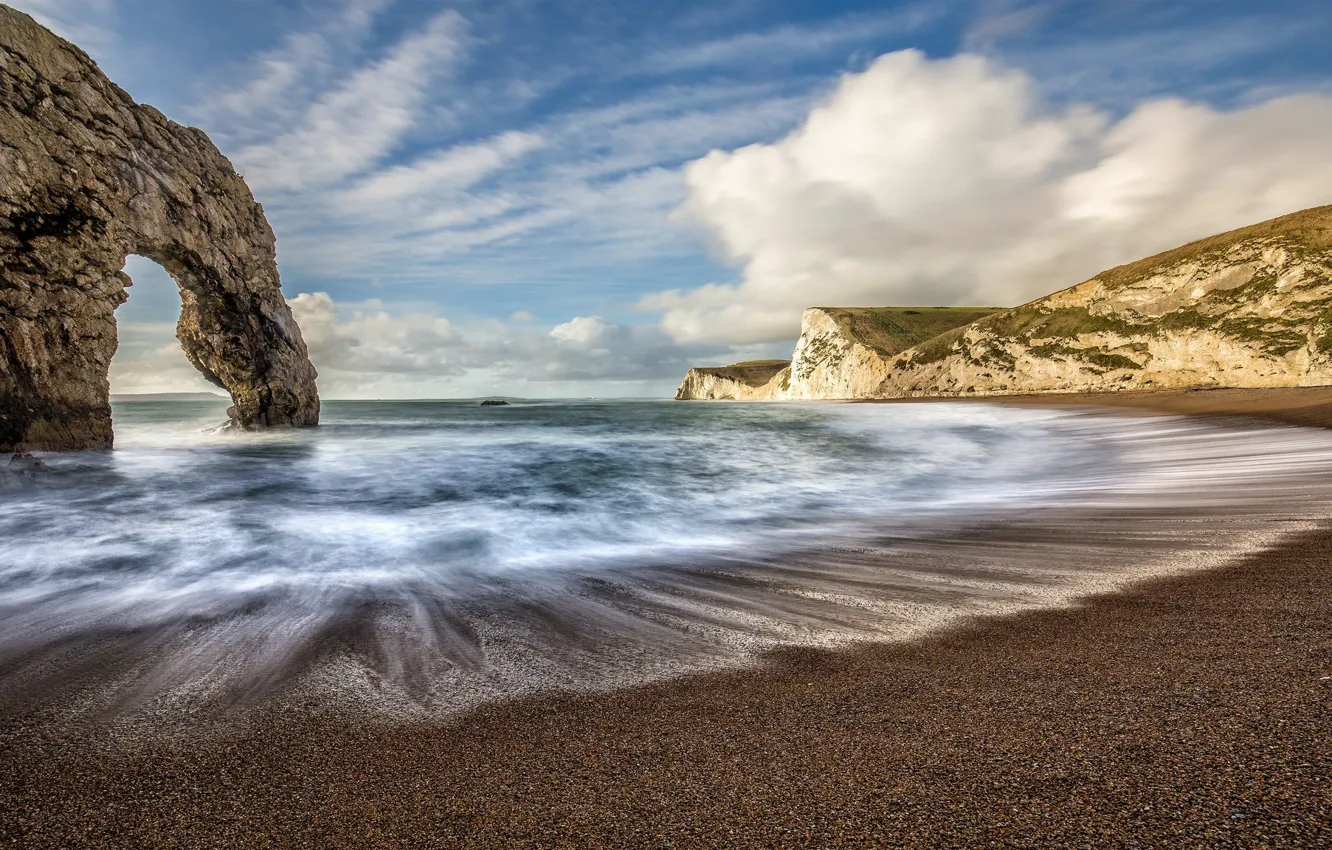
(583, 329)
(951, 182)
(368, 350)
(351, 127)
(372, 341)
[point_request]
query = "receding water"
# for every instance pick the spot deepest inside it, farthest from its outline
(450, 552)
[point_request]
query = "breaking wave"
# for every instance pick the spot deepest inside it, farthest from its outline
(433, 555)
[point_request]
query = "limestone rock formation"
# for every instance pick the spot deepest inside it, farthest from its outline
(87, 177)
(1248, 308)
(747, 381)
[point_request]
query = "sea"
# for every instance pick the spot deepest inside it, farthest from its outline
(420, 558)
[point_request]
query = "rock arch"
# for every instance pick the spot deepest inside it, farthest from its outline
(87, 177)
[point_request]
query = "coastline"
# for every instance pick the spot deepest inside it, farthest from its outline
(1189, 709)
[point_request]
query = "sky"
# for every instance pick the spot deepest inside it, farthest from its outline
(569, 198)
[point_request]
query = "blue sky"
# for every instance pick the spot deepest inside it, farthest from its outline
(583, 197)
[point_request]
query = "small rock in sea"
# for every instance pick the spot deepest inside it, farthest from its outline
(22, 467)
(493, 403)
(24, 464)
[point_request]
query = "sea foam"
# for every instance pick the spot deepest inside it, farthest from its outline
(452, 554)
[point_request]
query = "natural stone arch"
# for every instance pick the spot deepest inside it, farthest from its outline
(87, 177)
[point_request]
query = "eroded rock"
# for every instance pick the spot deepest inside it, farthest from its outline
(87, 177)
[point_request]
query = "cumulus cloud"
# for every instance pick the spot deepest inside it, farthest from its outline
(372, 341)
(952, 182)
(147, 363)
(366, 350)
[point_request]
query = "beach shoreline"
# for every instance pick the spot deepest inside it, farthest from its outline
(1190, 709)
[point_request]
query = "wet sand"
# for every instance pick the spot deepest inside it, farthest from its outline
(1189, 711)
(1306, 406)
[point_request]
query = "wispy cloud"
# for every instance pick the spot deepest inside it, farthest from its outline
(1119, 66)
(999, 20)
(781, 44)
(454, 168)
(605, 178)
(288, 77)
(353, 126)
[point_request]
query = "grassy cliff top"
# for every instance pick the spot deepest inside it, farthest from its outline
(753, 373)
(1311, 228)
(891, 330)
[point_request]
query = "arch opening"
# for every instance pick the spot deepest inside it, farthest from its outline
(149, 361)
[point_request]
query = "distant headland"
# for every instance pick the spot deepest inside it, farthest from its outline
(129, 398)
(1247, 308)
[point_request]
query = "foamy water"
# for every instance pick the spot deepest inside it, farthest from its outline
(434, 555)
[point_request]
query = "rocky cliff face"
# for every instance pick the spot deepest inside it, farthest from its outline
(87, 176)
(847, 352)
(748, 381)
(1248, 308)
(829, 362)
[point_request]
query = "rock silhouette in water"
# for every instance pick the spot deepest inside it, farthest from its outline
(87, 177)
(493, 403)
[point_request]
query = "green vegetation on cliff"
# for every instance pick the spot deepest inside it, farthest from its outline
(752, 373)
(890, 330)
